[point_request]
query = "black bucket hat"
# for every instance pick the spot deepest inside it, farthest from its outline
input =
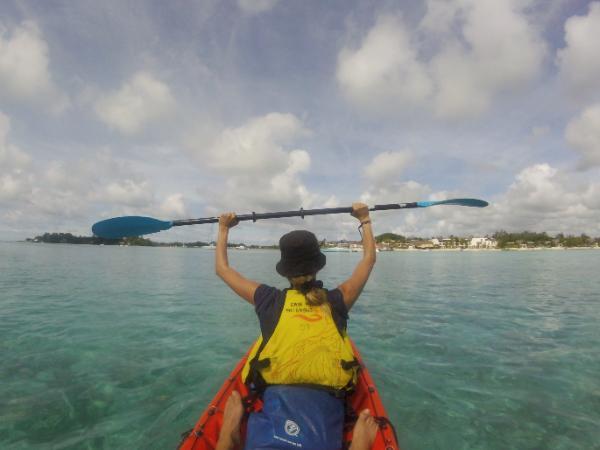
(300, 254)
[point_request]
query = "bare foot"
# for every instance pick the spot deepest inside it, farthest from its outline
(229, 437)
(364, 432)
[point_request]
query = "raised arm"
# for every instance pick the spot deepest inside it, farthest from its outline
(353, 286)
(242, 286)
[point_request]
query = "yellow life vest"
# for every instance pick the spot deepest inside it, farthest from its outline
(306, 347)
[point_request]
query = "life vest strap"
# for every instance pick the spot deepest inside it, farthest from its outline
(348, 365)
(257, 364)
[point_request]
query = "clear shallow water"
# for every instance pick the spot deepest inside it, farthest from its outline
(110, 347)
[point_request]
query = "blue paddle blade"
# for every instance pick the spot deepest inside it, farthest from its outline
(129, 226)
(455, 201)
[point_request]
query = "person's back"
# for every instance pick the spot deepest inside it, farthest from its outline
(303, 362)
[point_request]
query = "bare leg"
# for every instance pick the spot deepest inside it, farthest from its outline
(364, 432)
(229, 437)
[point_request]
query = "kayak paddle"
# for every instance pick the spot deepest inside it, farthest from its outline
(128, 226)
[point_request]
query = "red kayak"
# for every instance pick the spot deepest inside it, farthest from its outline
(205, 433)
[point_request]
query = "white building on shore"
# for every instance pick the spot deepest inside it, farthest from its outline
(483, 242)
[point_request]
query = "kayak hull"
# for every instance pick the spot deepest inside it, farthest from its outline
(205, 433)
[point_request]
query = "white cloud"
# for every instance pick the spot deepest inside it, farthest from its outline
(11, 157)
(141, 100)
(420, 222)
(583, 134)
(387, 166)
(537, 188)
(24, 68)
(398, 192)
(173, 207)
(541, 198)
(127, 192)
(383, 174)
(13, 186)
(578, 61)
(256, 6)
(268, 192)
(72, 189)
(61, 194)
(591, 197)
(498, 50)
(260, 167)
(331, 202)
(479, 49)
(255, 148)
(384, 70)
(14, 182)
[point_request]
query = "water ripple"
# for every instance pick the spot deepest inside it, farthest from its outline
(108, 348)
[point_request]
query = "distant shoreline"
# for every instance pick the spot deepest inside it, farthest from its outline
(257, 247)
(385, 242)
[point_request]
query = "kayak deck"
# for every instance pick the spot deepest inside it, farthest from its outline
(205, 433)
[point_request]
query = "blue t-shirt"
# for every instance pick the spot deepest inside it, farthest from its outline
(269, 301)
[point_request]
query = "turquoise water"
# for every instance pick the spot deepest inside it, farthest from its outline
(116, 347)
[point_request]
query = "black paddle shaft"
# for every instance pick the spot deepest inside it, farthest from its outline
(298, 213)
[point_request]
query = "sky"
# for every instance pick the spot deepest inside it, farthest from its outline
(185, 109)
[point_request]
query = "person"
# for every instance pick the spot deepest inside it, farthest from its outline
(303, 363)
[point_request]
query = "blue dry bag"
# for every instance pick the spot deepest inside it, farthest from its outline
(295, 417)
